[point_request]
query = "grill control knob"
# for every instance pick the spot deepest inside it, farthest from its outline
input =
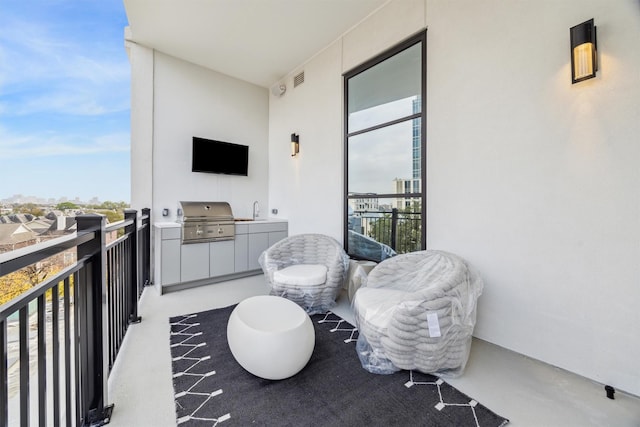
(220, 231)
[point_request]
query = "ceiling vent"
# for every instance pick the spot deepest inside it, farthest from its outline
(298, 79)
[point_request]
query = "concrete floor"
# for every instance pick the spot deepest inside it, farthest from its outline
(527, 392)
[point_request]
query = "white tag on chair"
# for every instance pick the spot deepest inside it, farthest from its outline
(434, 325)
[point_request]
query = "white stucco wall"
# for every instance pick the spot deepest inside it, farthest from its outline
(141, 60)
(307, 189)
(532, 179)
(535, 180)
(188, 101)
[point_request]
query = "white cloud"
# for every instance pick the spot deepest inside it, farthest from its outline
(70, 76)
(64, 93)
(74, 101)
(54, 144)
(378, 157)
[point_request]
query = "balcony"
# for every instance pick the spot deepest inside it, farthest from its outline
(380, 234)
(135, 357)
(60, 339)
(528, 392)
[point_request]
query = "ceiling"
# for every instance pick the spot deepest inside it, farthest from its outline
(258, 41)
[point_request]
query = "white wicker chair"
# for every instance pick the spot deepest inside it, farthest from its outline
(308, 269)
(417, 311)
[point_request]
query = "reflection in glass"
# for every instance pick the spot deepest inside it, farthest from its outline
(379, 228)
(382, 113)
(386, 91)
(380, 159)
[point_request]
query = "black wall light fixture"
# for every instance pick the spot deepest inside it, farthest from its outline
(295, 144)
(584, 59)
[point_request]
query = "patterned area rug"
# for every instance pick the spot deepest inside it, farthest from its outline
(212, 389)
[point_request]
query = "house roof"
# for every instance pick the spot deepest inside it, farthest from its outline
(253, 40)
(40, 226)
(15, 233)
(16, 218)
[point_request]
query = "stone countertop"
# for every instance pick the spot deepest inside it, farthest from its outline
(252, 221)
(168, 224)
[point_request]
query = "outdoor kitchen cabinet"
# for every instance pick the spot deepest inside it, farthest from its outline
(258, 243)
(178, 266)
(168, 257)
(253, 238)
(221, 258)
(194, 262)
(205, 260)
(241, 249)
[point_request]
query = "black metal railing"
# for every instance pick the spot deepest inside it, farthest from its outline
(127, 271)
(144, 251)
(399, 230)
(60, 338)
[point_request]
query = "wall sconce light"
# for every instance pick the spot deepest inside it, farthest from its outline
(584, 60)
(295, 144)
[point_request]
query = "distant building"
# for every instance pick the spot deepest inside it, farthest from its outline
(366, 202)
(401, 185)
(412, 185)
(21, 230)
(15, 236)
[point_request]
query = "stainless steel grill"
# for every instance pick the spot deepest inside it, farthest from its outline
(207, 222)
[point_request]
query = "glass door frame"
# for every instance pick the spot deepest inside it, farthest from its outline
(416, 39)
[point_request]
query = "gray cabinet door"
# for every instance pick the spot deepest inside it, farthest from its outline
(276, 236)
(258, 242)
(221, 258)
(242, 252)
(194, 262)
(169, 262)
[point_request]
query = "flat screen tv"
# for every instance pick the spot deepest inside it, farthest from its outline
(219, 157)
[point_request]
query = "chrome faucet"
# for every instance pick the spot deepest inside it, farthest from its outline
(256, 210)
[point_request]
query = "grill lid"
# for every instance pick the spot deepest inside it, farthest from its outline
(212, 211)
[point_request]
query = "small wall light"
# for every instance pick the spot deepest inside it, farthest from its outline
(295, 144)
(584, 60)
(278, 90)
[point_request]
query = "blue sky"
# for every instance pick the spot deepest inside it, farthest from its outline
(64, 99)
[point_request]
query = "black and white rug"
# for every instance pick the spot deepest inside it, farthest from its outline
(212, 389)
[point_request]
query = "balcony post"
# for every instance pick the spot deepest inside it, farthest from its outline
(394, 227)
(132, 231)
(146, 248)
(92, 321)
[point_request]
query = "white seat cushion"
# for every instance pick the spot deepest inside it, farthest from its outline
(301, 275)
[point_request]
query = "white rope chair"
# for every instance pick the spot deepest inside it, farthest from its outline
(417, 311)
(308, 269)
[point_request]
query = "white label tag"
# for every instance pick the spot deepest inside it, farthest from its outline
(434, 325)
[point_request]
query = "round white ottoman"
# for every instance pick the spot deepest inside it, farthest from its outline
(270, 336)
